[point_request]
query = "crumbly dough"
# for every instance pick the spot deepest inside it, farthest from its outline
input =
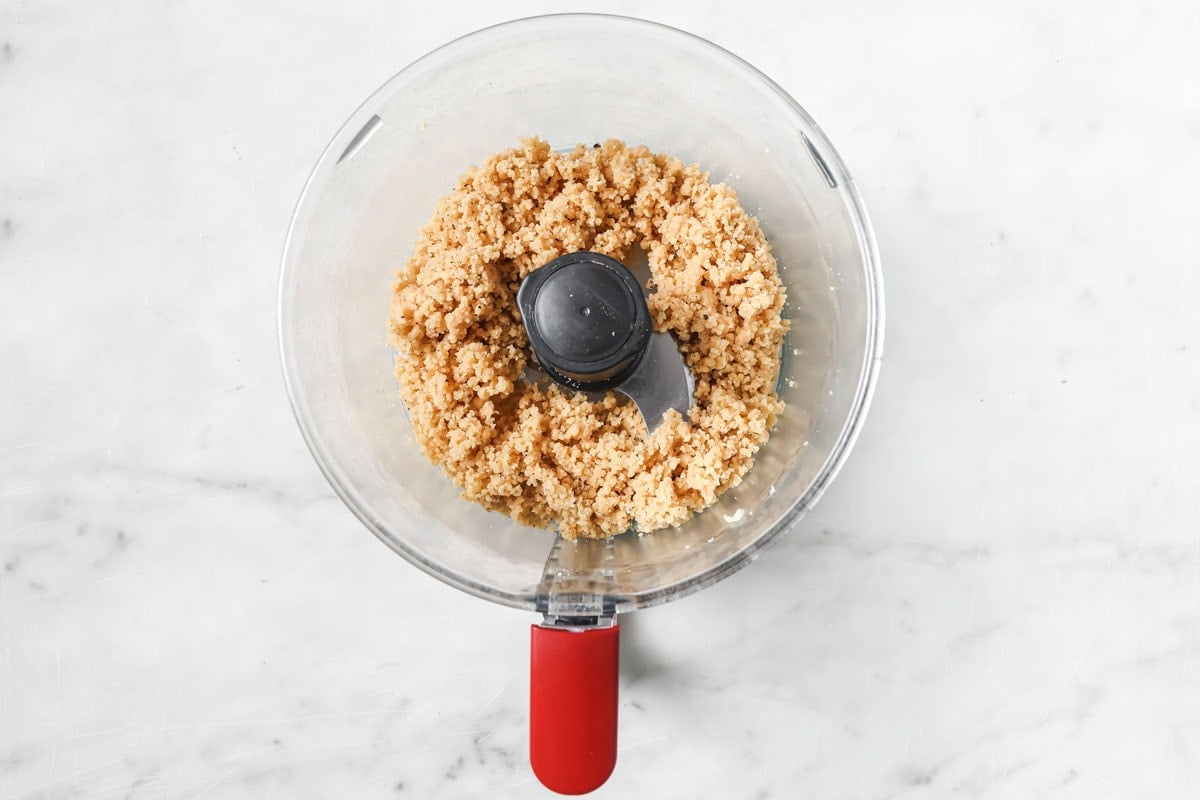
(543, 454)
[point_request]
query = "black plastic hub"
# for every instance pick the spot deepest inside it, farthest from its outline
(587, 320)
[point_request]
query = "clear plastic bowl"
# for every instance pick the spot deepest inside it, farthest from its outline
(571, 79)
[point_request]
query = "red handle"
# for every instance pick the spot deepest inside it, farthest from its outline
(573, 707)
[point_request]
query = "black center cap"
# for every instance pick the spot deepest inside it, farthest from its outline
(587, 320)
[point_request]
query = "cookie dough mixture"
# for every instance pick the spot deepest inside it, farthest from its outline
(544, 454)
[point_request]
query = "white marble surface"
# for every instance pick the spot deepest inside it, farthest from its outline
(1000, 597)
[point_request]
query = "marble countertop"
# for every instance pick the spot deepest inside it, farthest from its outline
(999, 598)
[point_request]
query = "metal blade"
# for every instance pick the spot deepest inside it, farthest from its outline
(661, 381)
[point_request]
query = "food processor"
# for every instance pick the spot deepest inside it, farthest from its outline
(572, 79)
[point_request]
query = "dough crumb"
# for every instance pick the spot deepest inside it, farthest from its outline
(545, 455)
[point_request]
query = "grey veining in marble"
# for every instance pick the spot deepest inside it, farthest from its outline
(999, 598)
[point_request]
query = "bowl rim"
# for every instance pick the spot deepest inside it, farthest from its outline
(826, 156)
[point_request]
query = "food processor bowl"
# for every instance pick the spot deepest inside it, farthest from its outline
(571, 79)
